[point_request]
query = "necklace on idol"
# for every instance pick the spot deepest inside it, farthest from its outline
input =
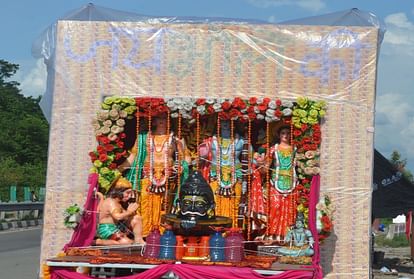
(159, 182)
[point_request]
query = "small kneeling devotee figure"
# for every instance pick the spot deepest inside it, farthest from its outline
(117, 212)
(299, 239)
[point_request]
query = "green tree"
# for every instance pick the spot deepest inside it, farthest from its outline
(399, 163)
(23, 136)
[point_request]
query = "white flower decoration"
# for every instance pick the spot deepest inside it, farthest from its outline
(107, 123)
(210, 101)
(103, 115)
(120, 122)
(112, 136)
(113, 114)
(272, 105)
(105, 130)
(217, 107)
(123, 114)
(270, 113)
(201, 110)
(287, 104)
(287, 112)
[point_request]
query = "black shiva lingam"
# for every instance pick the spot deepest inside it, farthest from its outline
(196, 207)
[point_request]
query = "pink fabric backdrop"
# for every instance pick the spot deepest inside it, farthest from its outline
(85, 232)
(313, 201)
(185, 271)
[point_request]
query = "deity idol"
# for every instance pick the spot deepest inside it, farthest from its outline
(299, 240)
(283, 180)
(196, 201)
(223, 169)
(152, 168)
(196, 215)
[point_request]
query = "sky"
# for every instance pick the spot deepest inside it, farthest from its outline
(23, 21)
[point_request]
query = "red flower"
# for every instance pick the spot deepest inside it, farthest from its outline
(143, 103)
(93, 156)
(278, 102)
(122, 135)
(226, 105)
(121, 144)
(234, 113)
(155, 102)
(103, 139)
(278, 113)
(224, 115)
(266, 101)
(100, 149)
(252, 115)
(262, 107)
(109, 147)
(326, 223)
(313, 146)
(200, 102)
(316, 127)
(103, 157)
(307, 147)
(316, 140)
(299, 187)
(316, 134)
(250, 109)
(253, 101)
(305, 181)
(238, 103)
(112, 166)
(118, 156)
(210, 110)
(297, 132)
(306, 140)
(304, 127)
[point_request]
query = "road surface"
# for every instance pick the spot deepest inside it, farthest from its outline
(19, 253)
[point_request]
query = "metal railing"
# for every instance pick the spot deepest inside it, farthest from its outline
(19, 206)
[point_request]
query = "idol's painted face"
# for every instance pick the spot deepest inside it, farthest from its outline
(299, 224)
(160, 123)
(225, 125)
(127, 195)
(284, 135)
(194, 206)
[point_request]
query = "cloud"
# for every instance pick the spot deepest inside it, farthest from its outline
(311, 5)
(400, 34)
(397, 132)
(34, 82)
(395, 99)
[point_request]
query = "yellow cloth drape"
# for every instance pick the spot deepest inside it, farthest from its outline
(150, 206)
(227, 206)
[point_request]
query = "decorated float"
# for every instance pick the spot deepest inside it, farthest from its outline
(219, 149)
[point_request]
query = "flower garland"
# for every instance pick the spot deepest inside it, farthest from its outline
(304, 115)
(325, 211)
(230, 108)
(307, 135)
(109, 131)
